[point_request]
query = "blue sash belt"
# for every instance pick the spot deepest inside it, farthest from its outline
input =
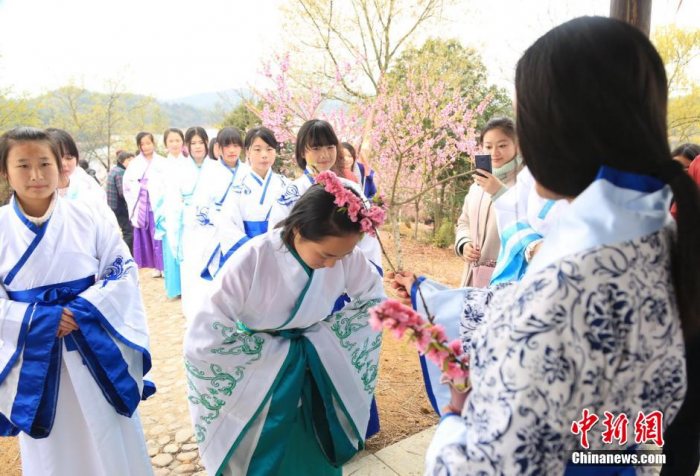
(34, 407)
(255, 228)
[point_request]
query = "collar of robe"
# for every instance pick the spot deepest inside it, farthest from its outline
(617, 206)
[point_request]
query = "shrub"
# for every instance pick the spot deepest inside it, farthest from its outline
(445, 236)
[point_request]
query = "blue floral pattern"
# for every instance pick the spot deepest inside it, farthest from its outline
(597, 330)
(117, 270)
(290, 196)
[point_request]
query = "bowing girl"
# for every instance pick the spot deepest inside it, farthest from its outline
(247, 213)
(72, 325)
(276, 385)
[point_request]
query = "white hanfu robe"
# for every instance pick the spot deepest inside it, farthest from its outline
(284, 204)
(523, 219)
(182, 223)
(83, 188)
(592, 325)
(203, 192)
(154, 172)
(262, 345)
(244, 215)
(72, 400)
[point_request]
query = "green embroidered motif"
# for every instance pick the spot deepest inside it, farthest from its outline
(345, 325)
(200, 433)
(237, 342)
(220, 383)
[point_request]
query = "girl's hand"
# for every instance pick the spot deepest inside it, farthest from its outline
(67, 324)
(470, 253)
(402, 282)
(489, 183)
(457, 400)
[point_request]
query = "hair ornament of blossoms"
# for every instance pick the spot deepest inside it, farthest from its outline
(370, 218)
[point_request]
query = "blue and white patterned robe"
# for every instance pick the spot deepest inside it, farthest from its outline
(593, 324)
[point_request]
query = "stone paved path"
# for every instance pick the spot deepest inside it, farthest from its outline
(165, 416)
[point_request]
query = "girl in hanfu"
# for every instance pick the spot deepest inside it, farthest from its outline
(277, 385)
(75, 183)
(187, 216)
(78, 185)
(143, 188)
(599, 320)
(174, 141)
(246, 213)
(477, 240)
(317, 150)
(73, 335)
(222, 177)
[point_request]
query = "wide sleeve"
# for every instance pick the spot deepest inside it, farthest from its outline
(230, 235)
(113, 334)
(131, 185)
(509, 423)
(463, 234)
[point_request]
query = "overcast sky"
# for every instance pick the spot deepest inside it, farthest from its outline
(175, 48)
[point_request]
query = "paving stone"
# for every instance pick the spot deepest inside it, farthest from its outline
(185, 469)
(161, 472)
(407, 457)
(187, 456)
(171, 448)
(157, 430)
(164, 439)
(163, 459)
(183, 435)
(369, 465)
(190, 447)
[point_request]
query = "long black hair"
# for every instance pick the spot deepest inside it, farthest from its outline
(315, 216)
(593, 92)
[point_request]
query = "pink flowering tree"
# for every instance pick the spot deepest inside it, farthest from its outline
(286, 105)
(413, 138)
(416, 140)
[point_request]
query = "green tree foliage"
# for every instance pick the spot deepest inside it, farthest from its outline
(98, 121)
(680, 50)
(242, 116)
(459, 67)
(16, 111)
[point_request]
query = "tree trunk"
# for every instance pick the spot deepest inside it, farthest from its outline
(417, 208)
(395, 224)
(634, 12)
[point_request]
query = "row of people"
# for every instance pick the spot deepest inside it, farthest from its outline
(75, 340)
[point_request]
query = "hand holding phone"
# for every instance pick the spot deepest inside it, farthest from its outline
(483, 162)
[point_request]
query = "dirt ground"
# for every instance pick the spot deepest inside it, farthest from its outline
(403, 406)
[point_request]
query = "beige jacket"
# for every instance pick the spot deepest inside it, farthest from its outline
(477, 224)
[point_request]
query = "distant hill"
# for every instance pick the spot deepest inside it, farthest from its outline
(206, 109)
(228, 98)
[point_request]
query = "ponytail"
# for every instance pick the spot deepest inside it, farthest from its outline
(685, 254)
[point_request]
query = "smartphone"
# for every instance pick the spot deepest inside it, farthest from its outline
(483, 162)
